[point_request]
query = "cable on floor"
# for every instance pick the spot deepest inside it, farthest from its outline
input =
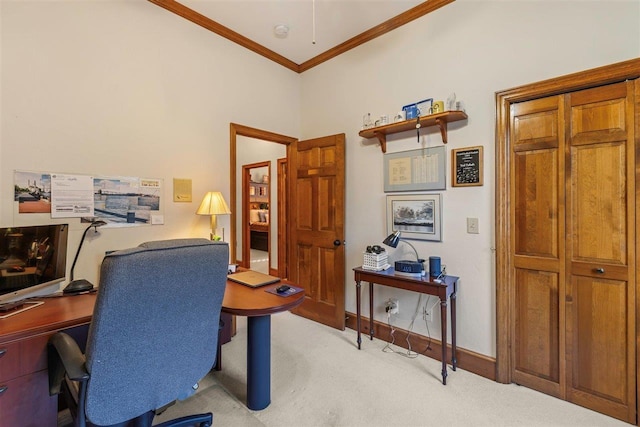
(409, 353)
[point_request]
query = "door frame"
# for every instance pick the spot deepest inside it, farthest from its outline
(283, 206)
(246, 202)
(236, 129)
(504, 268)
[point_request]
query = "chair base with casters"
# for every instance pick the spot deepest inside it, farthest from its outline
(152, 338)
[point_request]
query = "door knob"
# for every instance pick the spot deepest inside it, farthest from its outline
(336, 242)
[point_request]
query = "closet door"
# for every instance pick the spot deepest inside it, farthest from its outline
(573, 221)
(537, 218)
(600, 298)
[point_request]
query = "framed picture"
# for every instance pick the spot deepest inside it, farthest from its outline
(415, 170)
(417, 216)
(467, 167)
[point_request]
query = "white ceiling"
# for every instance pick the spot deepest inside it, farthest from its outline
(336, 21)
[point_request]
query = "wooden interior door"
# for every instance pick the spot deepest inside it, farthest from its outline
(316, 215)
(537, 215)
(573, 220)
(600, 300)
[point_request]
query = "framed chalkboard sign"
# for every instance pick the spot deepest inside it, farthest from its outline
(466, 169)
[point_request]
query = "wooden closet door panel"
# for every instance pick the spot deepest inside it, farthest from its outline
(600, 307)
(599, 209)
(537, 330)
(537, 214)
(599, 331)
(536, 203)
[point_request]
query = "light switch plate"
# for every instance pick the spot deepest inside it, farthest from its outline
(157, 219)
(472, 226)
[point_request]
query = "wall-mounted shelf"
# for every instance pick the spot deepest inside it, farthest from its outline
(440, 120)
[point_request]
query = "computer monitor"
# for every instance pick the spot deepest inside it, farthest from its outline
(33, 260)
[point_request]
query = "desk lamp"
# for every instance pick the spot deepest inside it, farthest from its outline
(213, 204)
(405, 266)
(81, 285)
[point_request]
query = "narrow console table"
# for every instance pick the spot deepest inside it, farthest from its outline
(445, 290)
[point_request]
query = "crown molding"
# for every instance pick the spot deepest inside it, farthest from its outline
(377, 31)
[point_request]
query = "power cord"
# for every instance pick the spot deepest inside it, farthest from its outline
(409, 353)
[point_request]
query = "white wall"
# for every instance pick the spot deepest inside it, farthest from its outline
(472, 48)
(127, 88)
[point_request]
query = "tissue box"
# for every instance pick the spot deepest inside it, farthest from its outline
(375, 262)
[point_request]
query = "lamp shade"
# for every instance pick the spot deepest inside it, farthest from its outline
(392, 240)
(213, 204)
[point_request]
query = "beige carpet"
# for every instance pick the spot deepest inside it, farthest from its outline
(319, 378)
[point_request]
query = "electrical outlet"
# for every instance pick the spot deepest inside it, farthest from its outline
(427, 314)
(391, 306)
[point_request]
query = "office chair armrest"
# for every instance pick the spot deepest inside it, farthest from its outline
(64, 356)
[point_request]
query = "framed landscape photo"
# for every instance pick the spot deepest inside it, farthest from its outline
(467, 167)
(417, 216)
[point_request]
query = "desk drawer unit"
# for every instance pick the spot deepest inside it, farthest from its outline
(24, 388)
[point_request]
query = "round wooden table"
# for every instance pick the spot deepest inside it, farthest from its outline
(258, 304)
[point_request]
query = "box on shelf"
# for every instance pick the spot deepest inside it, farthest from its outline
(420, 108)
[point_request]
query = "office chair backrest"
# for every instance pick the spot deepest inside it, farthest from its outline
(154, 331)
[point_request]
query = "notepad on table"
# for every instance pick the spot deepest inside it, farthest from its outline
(252, 278)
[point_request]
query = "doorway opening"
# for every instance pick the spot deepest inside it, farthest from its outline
(248, 146)
(256, 199)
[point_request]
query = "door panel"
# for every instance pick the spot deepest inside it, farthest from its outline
(537, 335)
(317, 228)
(536, 203)
(596, 371)
(600, 336)
(538, 243)
(598, 191)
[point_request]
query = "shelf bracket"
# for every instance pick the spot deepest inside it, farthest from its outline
(383, 141)
(442, 124)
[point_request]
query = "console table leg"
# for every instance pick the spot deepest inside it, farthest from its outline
(371, 311)
(358, 314)
(454, 360)
(443, 329)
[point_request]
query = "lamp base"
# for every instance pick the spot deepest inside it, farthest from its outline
(77, 286)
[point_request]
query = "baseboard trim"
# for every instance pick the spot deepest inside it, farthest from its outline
(477, 363)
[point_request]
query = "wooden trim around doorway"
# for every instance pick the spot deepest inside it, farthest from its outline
(235, 130)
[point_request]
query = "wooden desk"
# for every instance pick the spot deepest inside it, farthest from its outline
(258, 305)
(24, 383)
(444, 291)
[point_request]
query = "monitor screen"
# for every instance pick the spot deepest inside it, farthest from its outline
(32, 260)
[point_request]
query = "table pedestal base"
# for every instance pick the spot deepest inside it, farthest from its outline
(258, 362)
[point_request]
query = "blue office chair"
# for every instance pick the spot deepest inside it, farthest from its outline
(153, 336)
